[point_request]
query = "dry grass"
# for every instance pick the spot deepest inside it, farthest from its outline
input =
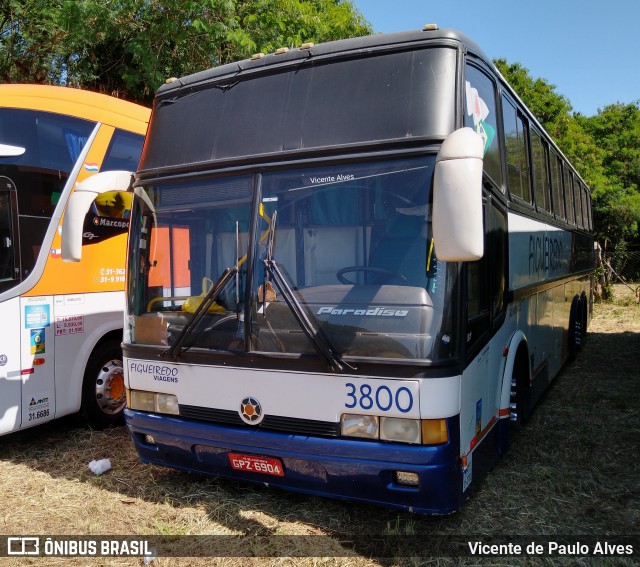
(572, 470)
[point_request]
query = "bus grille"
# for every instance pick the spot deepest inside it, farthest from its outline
(290, 425)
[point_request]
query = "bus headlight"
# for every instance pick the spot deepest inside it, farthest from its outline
(167, 403)
(397, 429)
(354, 425)
(400, 429)
(153, 402)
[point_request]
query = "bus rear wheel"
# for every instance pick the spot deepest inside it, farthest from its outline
(103, 389)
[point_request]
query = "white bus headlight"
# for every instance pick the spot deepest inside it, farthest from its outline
(399, 429)
(143, 401)
(167, 403)
(354, 425)
(153, 402)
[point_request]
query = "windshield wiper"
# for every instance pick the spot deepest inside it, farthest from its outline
(176, 348)
(317, 337)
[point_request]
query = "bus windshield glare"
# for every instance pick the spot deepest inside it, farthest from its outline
(351, 254)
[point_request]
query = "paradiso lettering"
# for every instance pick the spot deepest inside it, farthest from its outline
(376, 312)
(160, 372)
(545, 255)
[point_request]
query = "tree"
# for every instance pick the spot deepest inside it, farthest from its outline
(617, 199)
(128, 48)
(30, 36)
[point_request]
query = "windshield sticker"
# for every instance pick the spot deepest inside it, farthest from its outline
(331, 179)
(479, 111)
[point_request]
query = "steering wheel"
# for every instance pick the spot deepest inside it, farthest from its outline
(388, 274)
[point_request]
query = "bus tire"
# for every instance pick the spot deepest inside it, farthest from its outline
(103, 390)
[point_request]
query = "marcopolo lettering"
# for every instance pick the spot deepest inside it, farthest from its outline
(111, 223)
(375, 312)
(160, 372)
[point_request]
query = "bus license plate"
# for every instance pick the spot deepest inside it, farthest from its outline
(264, 465)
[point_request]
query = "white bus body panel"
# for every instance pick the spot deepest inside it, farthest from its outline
(42, 366)
(322, 397)
(81, 321)
(38, 357)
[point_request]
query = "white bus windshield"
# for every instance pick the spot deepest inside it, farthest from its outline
(352, 243)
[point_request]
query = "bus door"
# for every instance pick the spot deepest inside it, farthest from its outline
(37, 334)
(10, 376)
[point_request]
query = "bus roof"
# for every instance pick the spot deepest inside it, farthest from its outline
(330, 49)
(76, 102)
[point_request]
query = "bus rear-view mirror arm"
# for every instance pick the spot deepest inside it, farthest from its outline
(79, 205)
(457, 198)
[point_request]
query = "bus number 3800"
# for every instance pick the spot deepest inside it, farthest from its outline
(381, 398)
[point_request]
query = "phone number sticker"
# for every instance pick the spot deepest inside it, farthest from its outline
(393, 398)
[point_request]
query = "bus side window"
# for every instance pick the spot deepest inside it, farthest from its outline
(478, 296)
(7, 236)
(481, 115)
(486, 277)
(568, 195)
(556, 177)
(540, 175)
(516, 150)
(123, 152)
(496, 249)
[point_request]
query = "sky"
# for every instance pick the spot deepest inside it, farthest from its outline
(588, 49)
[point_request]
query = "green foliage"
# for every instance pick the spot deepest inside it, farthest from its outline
(616, 200)
(30, 38)
(266, 25)
(128, 48)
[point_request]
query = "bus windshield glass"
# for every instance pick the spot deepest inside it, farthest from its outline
(344, 251)
(52, 144)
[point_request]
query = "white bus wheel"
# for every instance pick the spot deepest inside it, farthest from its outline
(103, 390)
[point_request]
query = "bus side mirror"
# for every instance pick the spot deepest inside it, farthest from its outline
(79, 204)
(457, 198)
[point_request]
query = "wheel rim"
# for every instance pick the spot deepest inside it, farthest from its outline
(110, 390)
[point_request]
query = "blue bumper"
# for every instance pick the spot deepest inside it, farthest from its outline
(361, 471)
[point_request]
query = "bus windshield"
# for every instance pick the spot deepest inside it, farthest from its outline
(344, 251)
(51, 144)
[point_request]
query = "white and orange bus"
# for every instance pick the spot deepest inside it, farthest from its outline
(62, 323)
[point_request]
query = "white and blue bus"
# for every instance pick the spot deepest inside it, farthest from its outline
(351, 267)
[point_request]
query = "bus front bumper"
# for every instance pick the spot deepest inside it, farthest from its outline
(348, 469)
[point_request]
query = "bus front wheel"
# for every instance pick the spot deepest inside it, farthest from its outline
(103, 390)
